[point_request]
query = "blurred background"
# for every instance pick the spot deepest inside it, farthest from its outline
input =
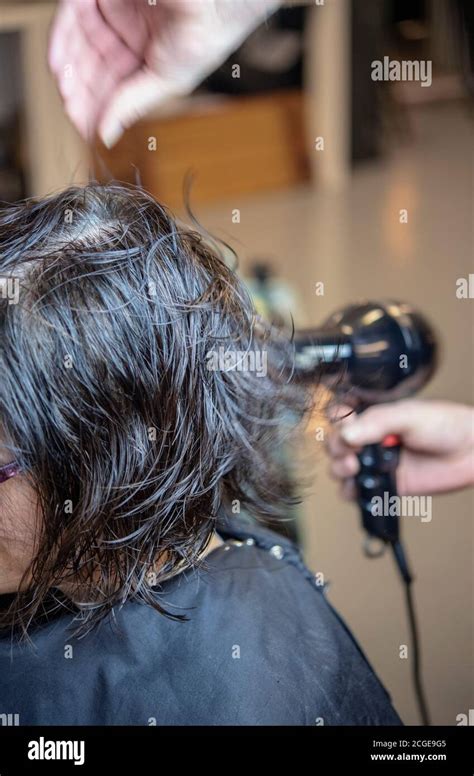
(302, 163)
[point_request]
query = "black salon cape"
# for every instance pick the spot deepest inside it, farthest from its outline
(262, 646)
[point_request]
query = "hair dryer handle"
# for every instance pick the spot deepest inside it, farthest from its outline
(376, 484)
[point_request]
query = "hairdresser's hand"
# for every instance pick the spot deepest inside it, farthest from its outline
(114, 60)
(437, 439)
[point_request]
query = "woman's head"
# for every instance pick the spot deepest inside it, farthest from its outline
(128, 433)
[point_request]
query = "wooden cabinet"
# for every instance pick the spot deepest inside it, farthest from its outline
(231, 145)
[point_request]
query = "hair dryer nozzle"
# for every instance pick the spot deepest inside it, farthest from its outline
(377, 351)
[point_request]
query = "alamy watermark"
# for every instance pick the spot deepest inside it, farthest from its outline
(223, 360)
(9, 720)
(402, 506)
(405, 70)
(43, 749)
(10, 289)
(465, 287)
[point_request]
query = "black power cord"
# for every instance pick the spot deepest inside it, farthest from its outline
(402, 564)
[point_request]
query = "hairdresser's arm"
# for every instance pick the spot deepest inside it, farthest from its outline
(437, 439)
(114, 60)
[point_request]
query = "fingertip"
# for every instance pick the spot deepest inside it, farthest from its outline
(348, 490)
(353, 433)
(110, 134)
(351, 465)
(344, 467)
(52, 59)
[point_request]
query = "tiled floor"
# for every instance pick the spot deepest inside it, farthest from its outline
(354, 243)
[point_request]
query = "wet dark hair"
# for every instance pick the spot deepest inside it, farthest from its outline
(129, 440)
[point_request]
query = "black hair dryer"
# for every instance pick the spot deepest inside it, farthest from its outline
(370, 353)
